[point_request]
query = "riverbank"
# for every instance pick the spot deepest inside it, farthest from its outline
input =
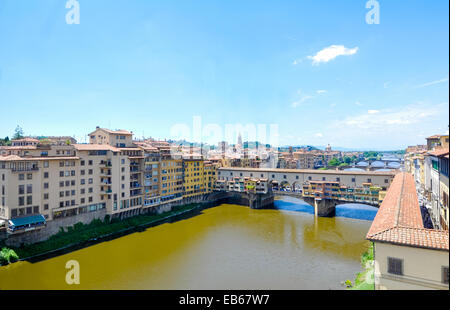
(364, 280)
(81, 235)
(223, 247)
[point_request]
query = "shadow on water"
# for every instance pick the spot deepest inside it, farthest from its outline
(185, 215)
(352, 210)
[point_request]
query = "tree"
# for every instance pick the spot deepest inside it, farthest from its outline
(18, 133)
(334, 162)
(347, 160)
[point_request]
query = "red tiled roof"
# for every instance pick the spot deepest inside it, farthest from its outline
(399, 220)
(439, 152)
(95, 147)
(417, 237)
(434, 137)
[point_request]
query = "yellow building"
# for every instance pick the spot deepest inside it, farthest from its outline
(194, 184)
(171, 178)
(209, 176)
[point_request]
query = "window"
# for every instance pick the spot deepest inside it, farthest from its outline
(21, 177)
(29, 189)
(353, 180)
(445, 274)
(386, 181)
(82, 163)
(46, 196)
(90, 163)
(395, 266)
(369, 180)
(21, 201)
(323, 179)
(45, 185)
(61, 174)
(46, 206)
(338, 179)
(21, 189)
(45, 175)
(29, 200)
(46, 164)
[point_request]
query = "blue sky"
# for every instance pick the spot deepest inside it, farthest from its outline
(147, 65)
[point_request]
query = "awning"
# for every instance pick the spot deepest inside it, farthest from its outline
(30, 220)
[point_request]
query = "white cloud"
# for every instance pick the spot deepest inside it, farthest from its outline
(433, 83)
(331, 52)
(386, 84)
(392, 119)
(318, 135)
(358, 103)
(321, 91)
(297, 61)
(302, 99)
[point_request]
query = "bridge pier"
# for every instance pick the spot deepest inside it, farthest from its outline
(322, 207)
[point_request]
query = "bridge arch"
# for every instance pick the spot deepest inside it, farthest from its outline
(285, 185)
(297, 186)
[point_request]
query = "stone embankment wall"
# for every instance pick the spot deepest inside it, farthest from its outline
(204, 201)
(52, 228)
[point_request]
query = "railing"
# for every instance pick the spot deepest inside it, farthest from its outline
(25, 169)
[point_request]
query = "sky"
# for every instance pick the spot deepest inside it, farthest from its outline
(310, 72)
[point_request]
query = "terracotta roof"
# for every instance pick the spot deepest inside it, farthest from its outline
(399, 219)
(342, 172)
(18, 147)
(120, 131)
(416, 237)
(439, 152)
(95, 147)
(46, 158)
(25, 140)
(434, 137)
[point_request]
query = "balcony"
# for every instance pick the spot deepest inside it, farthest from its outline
(24, 169)
(135, 185)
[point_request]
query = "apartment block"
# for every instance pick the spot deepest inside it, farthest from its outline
(42, 182)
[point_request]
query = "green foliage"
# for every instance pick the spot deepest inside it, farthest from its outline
(348, 160)
(348, 283)
(80, 233)
(334, 162)
(371, 155)
(18, 133)
(8, 256)
(107, 219)
(361, 282)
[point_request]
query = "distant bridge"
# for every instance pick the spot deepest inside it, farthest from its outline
(295, 178)
(325, 207)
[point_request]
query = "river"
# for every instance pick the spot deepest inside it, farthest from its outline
(225, 247)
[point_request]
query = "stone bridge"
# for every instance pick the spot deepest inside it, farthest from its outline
(295, 178)
(324, 207)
